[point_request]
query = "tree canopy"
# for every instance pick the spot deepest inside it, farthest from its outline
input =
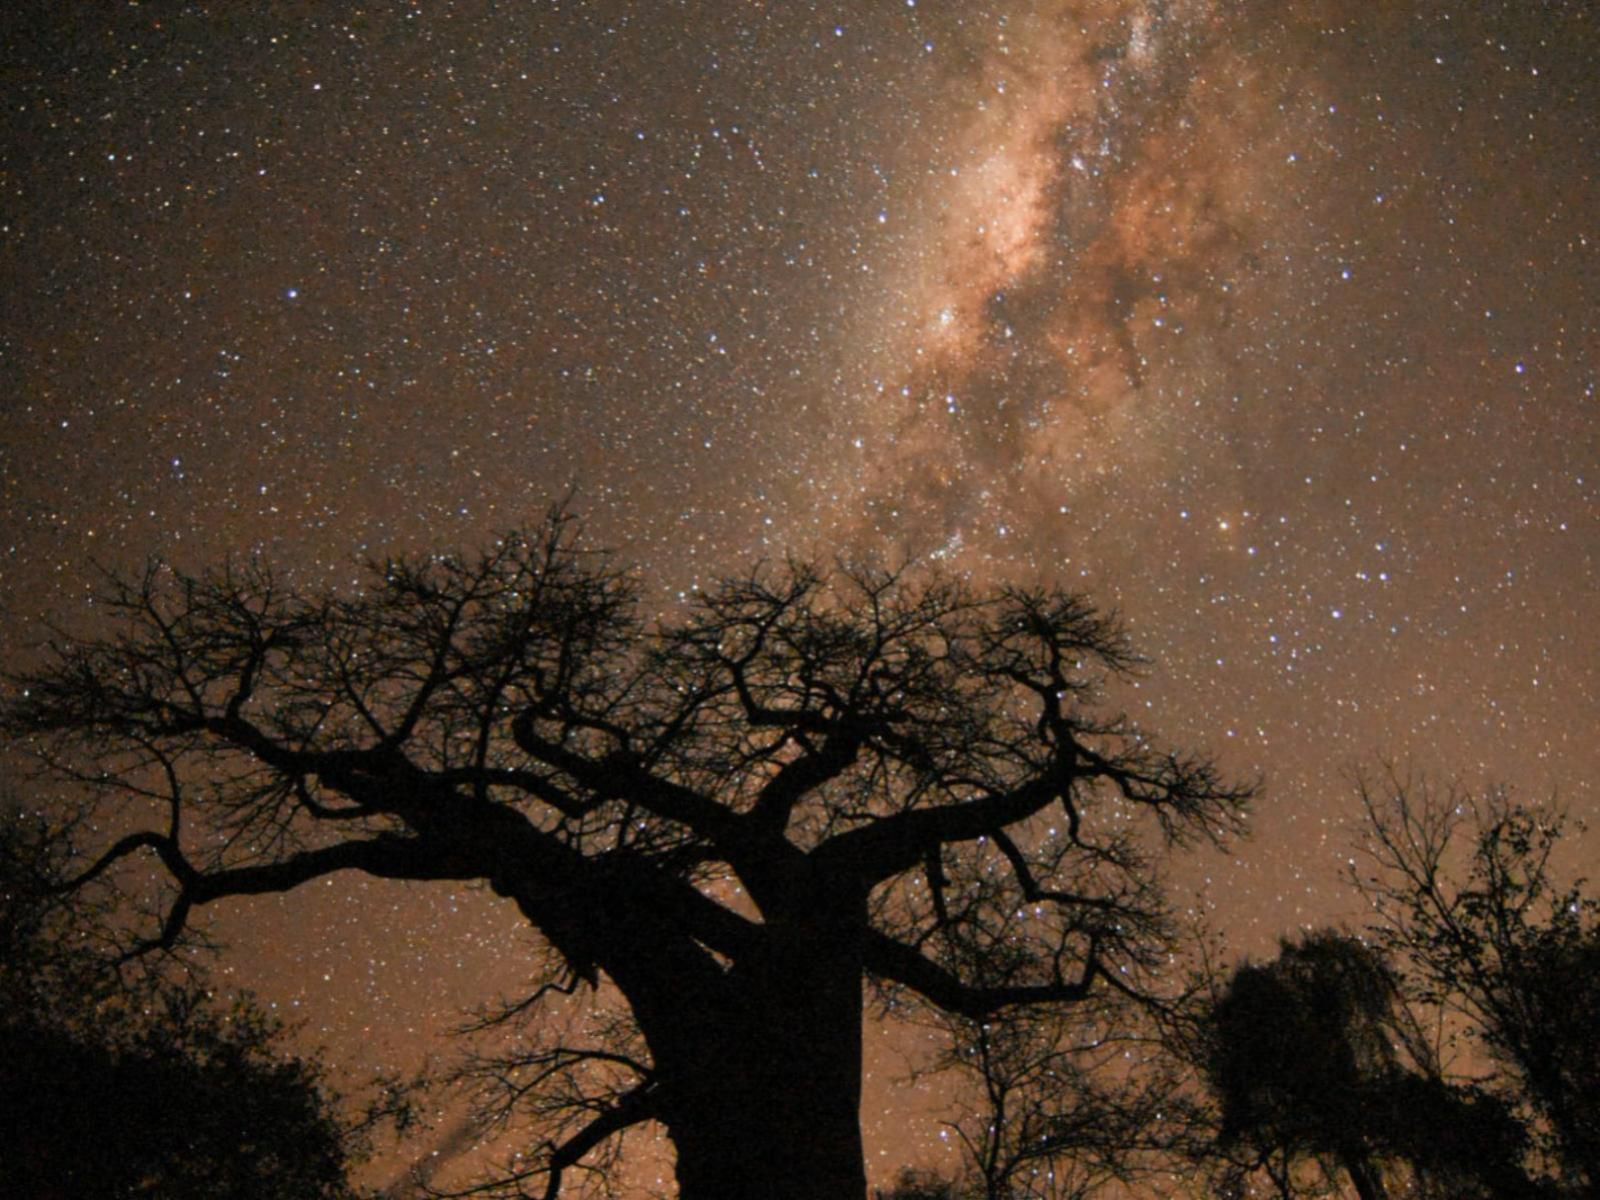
(737, 815)
(1450, 1050)
(1471, 904)
(1319, 1063)
(147, 1086)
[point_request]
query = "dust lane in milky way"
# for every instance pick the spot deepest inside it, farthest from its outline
(1272, 324)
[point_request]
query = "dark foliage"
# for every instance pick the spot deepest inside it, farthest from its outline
(118, 1089)
(1296, 1049)
(188, 1106)
(1317, 1061)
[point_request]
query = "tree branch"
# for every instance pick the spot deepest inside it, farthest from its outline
(897, 843)
(633, 1108)
(890, 959)
(386, 856)
(619, 775)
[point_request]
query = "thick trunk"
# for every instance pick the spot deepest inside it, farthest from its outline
(761, 1085)
(792, 1143)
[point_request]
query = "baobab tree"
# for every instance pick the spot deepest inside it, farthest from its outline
(735, 818)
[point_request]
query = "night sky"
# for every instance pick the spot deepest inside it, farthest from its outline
(1272, 325)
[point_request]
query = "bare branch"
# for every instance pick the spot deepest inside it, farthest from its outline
(892, 960)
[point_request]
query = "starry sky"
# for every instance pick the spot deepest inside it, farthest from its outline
(1272, 325)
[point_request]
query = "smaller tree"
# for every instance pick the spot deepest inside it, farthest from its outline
(143, 1087)
(1295, 1050)
(1469, 903)
(1061, 1108)
(1321, 1068)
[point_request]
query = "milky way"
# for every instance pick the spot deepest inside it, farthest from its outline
(1270, 324)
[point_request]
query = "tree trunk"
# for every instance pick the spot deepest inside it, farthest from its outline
(761, 1084)
(786, 1143)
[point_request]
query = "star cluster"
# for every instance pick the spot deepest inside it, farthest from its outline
(1271, 324)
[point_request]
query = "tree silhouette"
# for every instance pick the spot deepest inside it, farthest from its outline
(1497, 943)
(733, 818)
(147, 1089)
(1297, 1048)
(1061, 1109)
(1316, 1060)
